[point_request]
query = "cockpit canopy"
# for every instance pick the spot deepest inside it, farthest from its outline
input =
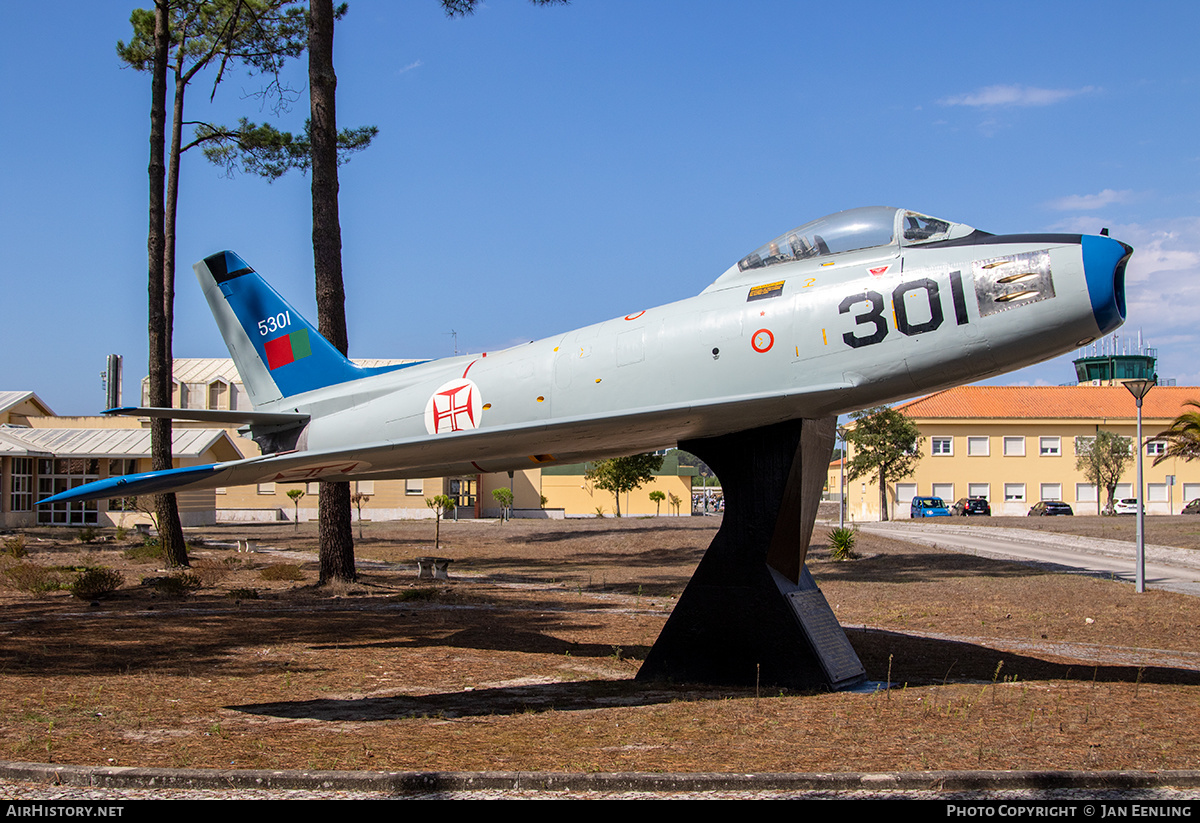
(851, 230)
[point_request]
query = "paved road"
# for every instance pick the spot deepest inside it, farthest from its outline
(1172, 569)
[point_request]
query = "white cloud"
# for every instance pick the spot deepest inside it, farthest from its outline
(416, 64)
(1009, 95)
(1077, 202)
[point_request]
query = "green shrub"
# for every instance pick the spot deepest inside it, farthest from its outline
(87, 534)
(180, 584)
(15, 546)
(150, 551)
(282, 571)
(210, 571)
(841, 543)
(91, 584)
(30, 577)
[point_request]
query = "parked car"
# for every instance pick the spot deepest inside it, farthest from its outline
(1049, 507)
(928, 507)
(1192, 508)
(968, 506)
(1126, 505)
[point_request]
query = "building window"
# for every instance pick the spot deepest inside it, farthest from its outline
(218, 395)
(312, 487)
(1191, 491)
(1014, 447)
(120, 468)
(1050, 447)
(944, 491)
(983, 490)
(1123, 490)
(942, 445)
(1156, 493)
(364, 486)
(977, 447)
(1155, 448)
(905, 492)
(21, 497)
(1014, 491)
(1051, 491)
(60, 474)
(414, 486)
(1083, 444)
(266, 488)
(1085, 492)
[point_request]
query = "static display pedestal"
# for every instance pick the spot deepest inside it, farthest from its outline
(751, 613)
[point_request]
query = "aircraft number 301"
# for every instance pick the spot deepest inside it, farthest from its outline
(275, 323)
(875, 326)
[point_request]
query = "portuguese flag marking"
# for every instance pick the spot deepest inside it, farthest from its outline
(287, 348)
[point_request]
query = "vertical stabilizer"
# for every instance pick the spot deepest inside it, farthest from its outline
(276, 351)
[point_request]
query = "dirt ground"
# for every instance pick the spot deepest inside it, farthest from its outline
(524, 659)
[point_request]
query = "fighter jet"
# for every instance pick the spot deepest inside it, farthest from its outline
(862, 307)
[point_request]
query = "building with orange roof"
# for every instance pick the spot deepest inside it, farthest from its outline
(1017, 445)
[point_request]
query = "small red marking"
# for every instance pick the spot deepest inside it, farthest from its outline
(762, 314)
(635, 316)
(762, 346)
(468, 368)
(878, 270)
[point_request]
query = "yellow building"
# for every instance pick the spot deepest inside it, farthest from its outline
(1017, 445)
(42, 454)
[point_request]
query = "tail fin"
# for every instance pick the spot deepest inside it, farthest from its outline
(276, 351)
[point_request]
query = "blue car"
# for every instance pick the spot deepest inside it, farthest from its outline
(928, 507)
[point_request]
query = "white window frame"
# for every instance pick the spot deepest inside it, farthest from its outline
(1050, 491)
(948, 498)
(1086, 493)
(974, 442)
(975, 489)
(941, 446)
(414, 486)
(265, 488)
(1050, 446)
(1014, 446)
(1155, 448)
(1014, 492)
(905, 492)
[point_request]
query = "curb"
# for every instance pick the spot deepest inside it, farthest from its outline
(423, 782)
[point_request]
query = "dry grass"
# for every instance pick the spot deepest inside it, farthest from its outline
(524, 661)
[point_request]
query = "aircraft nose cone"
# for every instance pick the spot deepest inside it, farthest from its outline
(1104, 262)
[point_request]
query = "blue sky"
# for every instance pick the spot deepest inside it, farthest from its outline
(540, 169)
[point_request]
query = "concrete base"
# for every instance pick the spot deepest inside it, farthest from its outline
(742, 619)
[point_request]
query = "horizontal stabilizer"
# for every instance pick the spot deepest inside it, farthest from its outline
(252, 418)
(134, 484)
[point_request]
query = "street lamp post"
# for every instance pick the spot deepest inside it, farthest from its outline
(1139, 389)
(841, 430)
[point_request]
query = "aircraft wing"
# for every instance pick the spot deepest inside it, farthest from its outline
(502, 448)
(212, 415)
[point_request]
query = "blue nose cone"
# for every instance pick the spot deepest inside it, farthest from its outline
(1104, 262)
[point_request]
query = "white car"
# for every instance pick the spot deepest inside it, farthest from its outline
(1126, 505)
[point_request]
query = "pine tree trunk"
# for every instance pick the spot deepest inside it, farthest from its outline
(170, 531)
(336, 552)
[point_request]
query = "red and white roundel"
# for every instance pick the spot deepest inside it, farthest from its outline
(454, 407)
(762, 340)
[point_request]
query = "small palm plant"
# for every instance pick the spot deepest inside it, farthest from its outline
(296, 494)
(841, 543)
